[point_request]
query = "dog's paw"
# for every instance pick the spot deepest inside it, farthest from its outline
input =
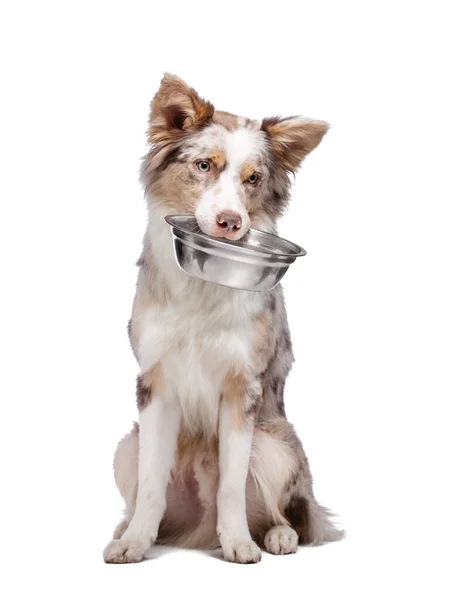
(281, 540)
(123, 551)
(241, 551)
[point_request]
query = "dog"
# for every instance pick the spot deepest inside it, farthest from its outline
(213, 460)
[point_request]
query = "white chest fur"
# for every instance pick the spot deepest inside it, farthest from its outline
(196, 351)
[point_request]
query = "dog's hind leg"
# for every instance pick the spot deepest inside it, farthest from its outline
(282, 509)
(125, 473)
(311, 521)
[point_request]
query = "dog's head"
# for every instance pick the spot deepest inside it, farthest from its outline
(228, 171)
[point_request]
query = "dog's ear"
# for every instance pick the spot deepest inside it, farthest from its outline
(292, 138)
(176, 109)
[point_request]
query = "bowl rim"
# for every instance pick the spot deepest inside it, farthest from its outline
(238, 244)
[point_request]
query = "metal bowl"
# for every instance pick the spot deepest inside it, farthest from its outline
(256, 263)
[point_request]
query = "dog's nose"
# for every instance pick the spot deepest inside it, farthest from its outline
(229, 222)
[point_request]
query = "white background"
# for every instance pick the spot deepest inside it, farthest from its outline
(368, 306)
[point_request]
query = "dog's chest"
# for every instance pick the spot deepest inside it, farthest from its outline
(196, 351)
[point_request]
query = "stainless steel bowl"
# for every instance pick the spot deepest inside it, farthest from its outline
(255, 263)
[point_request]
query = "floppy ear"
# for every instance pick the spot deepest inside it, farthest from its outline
(176, 108)
(292, 138)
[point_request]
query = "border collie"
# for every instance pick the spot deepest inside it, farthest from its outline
(213, 460)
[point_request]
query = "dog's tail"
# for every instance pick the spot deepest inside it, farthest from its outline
(311, 521)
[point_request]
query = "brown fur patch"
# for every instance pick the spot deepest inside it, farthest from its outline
(263, 333)
(148, 384)
(247, 170)
(191, 447)
(218, 157)
(242, 400)
(191, 444)
(264, 342)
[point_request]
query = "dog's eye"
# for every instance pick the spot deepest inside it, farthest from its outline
(203, 165)
(253, 178)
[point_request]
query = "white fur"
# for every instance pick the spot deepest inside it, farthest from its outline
(272, 464)
(232, 525)
(159, 427)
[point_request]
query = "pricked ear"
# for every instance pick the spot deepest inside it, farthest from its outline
(176, 108)
(292, 138)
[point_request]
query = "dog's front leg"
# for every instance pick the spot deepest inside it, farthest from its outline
(235, 433)
(159, 419)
